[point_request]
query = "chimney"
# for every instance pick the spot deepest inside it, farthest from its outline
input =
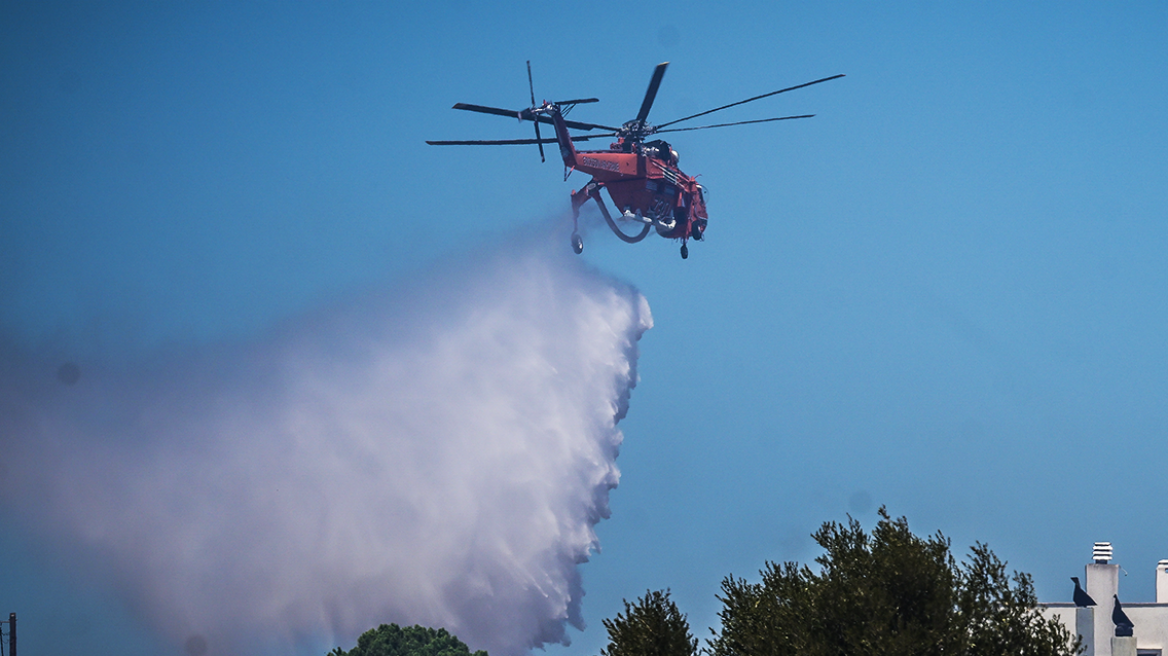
(1102, 584)
(1162, 582)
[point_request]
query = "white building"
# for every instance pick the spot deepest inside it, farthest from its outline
(1093, 623)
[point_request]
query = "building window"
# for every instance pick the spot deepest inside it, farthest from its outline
(1147, 652)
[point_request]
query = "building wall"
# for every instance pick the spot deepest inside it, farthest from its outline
(1079, 621)
(1151, 622)
(1094, 624)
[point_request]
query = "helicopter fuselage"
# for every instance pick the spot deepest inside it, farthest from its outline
(642, 179)
(648, 189)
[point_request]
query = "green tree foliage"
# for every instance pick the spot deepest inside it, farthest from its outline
(651, 627)
(889, 593)
(393, 640)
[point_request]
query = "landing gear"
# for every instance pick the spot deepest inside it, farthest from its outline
(684, 252)
(577, 243)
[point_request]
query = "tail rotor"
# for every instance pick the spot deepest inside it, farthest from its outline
(531, 88)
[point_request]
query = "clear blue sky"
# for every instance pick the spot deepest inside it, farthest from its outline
(945, 293)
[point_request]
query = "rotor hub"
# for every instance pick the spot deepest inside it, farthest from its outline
(635, 130)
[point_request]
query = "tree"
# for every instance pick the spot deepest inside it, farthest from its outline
(891, 593)
(393, 640)
(651, 627)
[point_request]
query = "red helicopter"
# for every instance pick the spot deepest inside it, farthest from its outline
(641, 176)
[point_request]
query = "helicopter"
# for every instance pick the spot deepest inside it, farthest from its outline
(642, 176)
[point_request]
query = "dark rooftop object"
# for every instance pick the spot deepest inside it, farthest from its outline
(1123, 625)
(1081, 597)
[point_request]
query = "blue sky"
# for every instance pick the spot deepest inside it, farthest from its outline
(944, 293)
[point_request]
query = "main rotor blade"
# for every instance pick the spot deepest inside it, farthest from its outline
(724, 125)
(588, 137)
(510, 113)
(651, 92)
(577, 125)
(742, 102)
(577, 101)
(496, 142)
(513, 142)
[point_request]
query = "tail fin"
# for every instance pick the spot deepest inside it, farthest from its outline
(567, 148)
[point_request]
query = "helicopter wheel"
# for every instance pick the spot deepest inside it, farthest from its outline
(684, 251)
(577, 243)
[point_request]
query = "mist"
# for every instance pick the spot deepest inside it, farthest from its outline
(435, 451)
